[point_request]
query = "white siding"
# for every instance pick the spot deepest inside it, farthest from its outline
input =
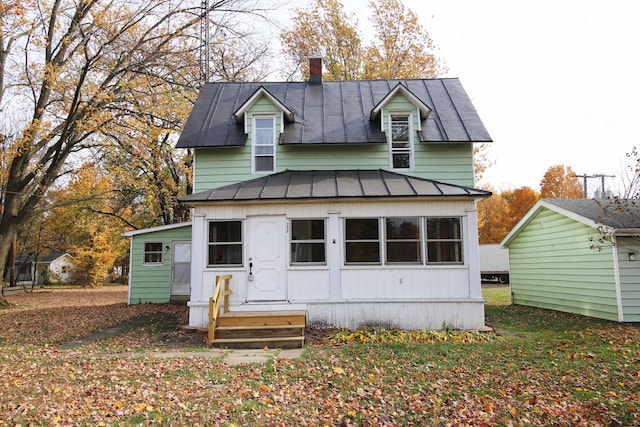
(344, 295)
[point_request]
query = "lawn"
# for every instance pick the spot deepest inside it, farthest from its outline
(540, 368)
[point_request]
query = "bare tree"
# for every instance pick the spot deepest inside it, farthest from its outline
(73, 71)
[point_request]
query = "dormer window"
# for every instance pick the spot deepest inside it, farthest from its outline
(264, 144)
(401, 141)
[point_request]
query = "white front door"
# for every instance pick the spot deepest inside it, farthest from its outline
(267, 258)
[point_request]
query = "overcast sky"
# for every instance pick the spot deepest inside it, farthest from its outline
(554, 81)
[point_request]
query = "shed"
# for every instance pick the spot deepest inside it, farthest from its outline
(160, 264)
(579, 256)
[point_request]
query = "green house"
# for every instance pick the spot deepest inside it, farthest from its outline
(353, 201)
(579, 256)
(160, 264)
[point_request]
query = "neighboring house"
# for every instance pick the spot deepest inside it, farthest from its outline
(579, 256)
(55, 267)
(351, 200)
(160, 264)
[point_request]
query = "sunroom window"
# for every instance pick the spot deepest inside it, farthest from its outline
(444, 240)
(401, 141)
(264, 147)
(403, 240)
(362, 241)
(225, 243)
(308, 243)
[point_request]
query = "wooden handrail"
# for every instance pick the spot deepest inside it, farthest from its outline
(218, 299)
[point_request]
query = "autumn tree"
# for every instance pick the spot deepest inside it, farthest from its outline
(401, 47)
(498, 214)
(324, 28)
(560, 182)
(87, 220)
(522, 199)
(73, 72)
(493, 217)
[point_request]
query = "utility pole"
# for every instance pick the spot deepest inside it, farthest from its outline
(602, 177)
(584, 181)
(204, 42)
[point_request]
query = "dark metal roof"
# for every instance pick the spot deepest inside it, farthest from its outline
(308, 184)
(618, 214)
(332, 112)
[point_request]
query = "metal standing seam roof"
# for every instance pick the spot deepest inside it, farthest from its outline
(334, 112)
(318, 184)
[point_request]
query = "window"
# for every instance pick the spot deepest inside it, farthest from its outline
(225, 243)
(153, 253)
(444, 240)
(362, 241)
(403, 240)
(264, 143)
(401, 144)
(308, 241)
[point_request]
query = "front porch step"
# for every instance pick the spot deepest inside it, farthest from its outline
(258, 329)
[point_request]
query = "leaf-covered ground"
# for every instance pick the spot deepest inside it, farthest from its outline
(541, 368)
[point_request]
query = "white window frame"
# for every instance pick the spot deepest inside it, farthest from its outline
(417, 240)
(423, 240)
(379, 241)
(409, 150)
(255, 145)
(459, 241)
(296, 242)
(229, 243)
(145, 252)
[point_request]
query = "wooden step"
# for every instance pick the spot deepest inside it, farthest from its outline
(258, 329)
(262, 318)
(242, 328)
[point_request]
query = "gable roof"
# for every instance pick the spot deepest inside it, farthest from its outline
(335, 112)
(331, 184)
(424, 109)
(158, 228)
(239, 113)
(614, 216)
(42, 259)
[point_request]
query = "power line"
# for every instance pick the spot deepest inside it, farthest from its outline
(585, 177)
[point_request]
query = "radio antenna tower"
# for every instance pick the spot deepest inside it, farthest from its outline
(204, 42)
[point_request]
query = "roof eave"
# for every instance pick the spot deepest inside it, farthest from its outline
(424, 108)
(460, 197)
(540, 204)
(238, 115)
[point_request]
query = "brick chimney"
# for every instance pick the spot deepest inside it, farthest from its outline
(315, 69)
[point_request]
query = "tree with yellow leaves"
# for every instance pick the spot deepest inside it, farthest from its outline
(560, 182)
(75, 73)
(401, 48)
(87, 221)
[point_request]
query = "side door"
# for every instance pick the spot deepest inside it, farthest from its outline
(180, 267)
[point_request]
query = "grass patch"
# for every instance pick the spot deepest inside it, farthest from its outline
(546, 368)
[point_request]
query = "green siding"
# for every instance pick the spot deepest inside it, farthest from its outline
(152, 284)
(216, 167)
(222, 166)
(629, 278)
(553, 266)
